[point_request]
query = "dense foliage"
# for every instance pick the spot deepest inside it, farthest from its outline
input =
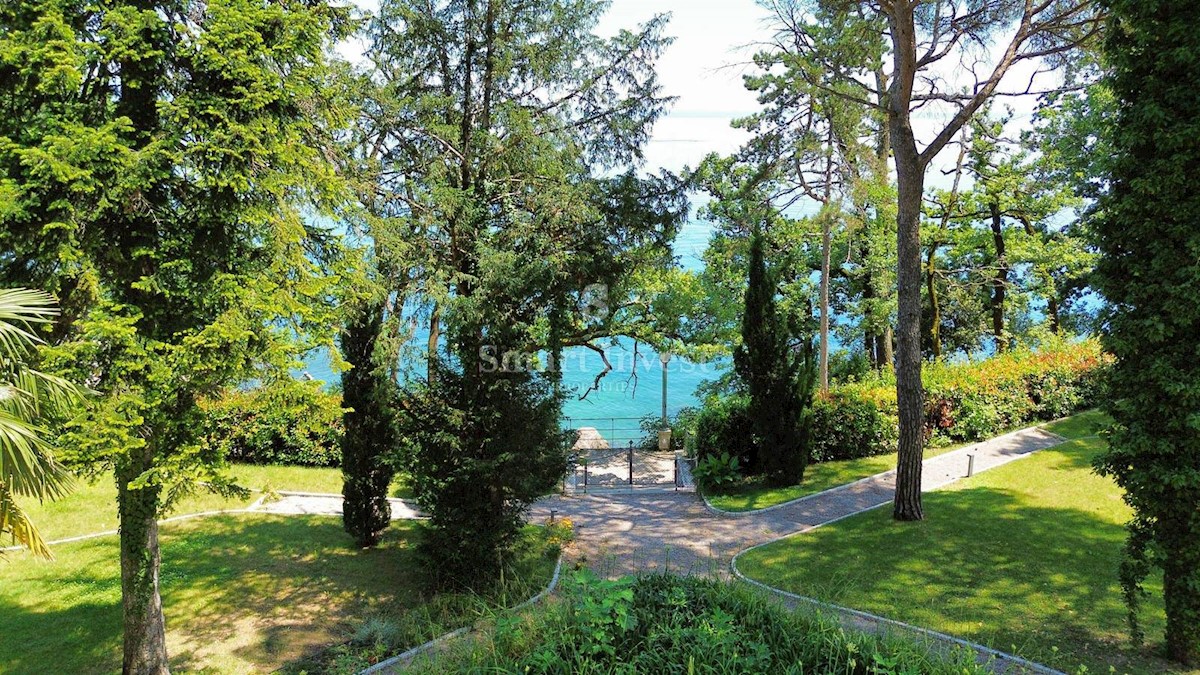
(370, 429)
(282, 421)
(778, 376)
(670, 624)
(724, 425)
(475, 471)
(1148, 231)
(159, 161)
(506, 220)
(967, 402)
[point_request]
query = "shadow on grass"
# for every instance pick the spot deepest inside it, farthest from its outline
(261, 586)
(985, 565)
(241, 593)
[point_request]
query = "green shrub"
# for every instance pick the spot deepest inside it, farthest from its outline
(682, 425)
(670, 624)
(716, 471)
(848, 424)
(724, 426)
(968, 402)
(963, 402)
(282, 422)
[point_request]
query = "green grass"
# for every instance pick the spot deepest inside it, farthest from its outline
(1083, 425)
(92, 506)
(1023, 557)
(241, 593)
(751, 493)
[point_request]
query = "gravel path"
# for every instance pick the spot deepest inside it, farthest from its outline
(635, 531)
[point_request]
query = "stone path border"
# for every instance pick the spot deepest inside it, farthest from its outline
(388, 665)
(630, 531)
(998, 661)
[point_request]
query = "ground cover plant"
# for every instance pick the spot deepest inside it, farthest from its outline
(244, 593)
(669, 624)
(1022, 557)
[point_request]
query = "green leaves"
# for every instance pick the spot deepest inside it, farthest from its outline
(1147, 232)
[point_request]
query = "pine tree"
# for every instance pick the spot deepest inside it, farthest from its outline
(185, 139)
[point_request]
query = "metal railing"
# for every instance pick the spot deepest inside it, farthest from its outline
(624, 436)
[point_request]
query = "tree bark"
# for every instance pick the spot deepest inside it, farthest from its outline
(887, 348)
(826, 246)
(431, 346)
(935, 309)
(1052, 312)
(910, 183)
(1000, 279)
(145, 645)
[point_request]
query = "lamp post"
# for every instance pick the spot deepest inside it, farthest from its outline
(665, 357)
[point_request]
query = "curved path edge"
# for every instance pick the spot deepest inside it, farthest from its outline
(1001, 662)
(965, 450)
(406, 657)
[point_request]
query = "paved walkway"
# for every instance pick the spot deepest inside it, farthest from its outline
(624, 533)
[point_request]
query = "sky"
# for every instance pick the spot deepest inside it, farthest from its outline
(703, 68)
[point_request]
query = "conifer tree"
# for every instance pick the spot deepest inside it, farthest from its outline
(778, 376)
(368, 393)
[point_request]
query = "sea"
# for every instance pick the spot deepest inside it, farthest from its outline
(634, 388)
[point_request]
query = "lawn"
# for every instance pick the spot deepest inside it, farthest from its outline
(92, 506)
(242, 593)
(751, 494)
(1023, 558)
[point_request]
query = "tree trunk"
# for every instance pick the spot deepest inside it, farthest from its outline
(870, 339)
(1052, 312)
(145, 648)
(910, 184)
(935, 308)
(431, 346)
(826, 246)
(887, 343)
(1000, 280)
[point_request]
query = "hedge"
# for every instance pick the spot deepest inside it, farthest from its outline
(963, 402)
(282, 422)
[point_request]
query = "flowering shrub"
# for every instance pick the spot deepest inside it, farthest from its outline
(967, 402)
(963, 402)
(559, 531)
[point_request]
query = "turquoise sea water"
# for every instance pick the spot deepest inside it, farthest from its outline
(633, 389)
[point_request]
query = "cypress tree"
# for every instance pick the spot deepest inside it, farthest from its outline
(1149, 235)
(368, 394)
(778, 377)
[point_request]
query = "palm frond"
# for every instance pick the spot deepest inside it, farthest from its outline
(27, 465)
(20, 310)
(15, 522)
